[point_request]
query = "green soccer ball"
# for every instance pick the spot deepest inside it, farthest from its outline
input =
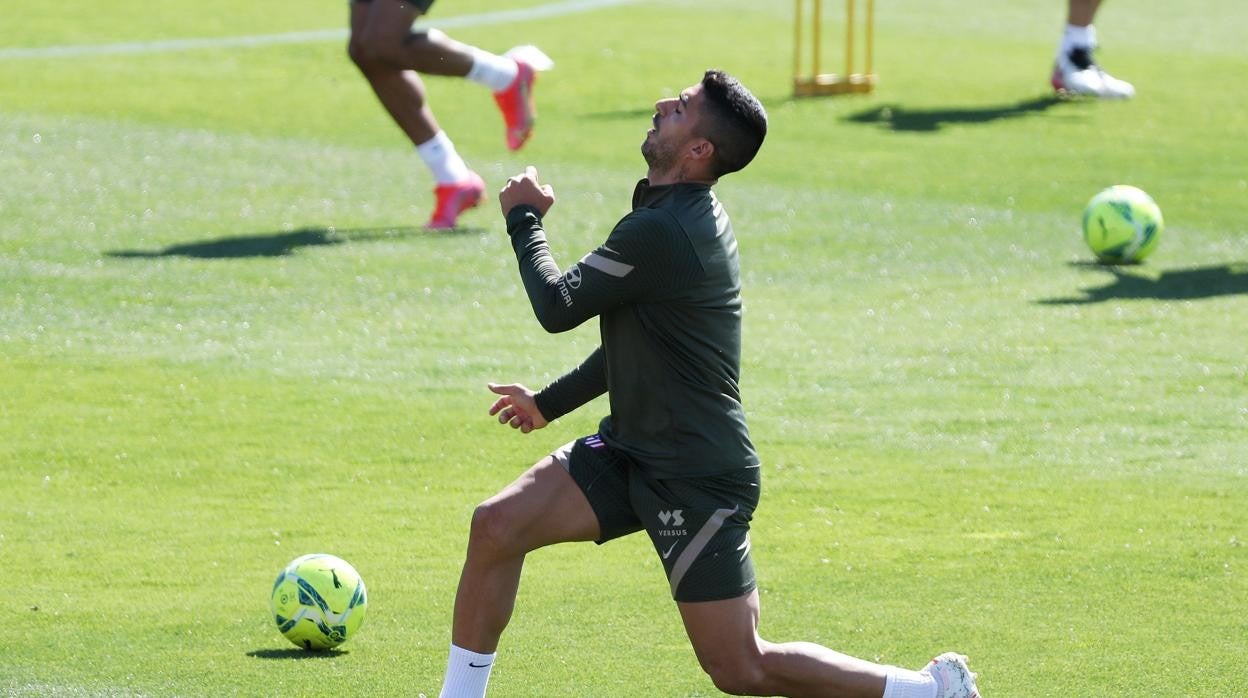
(1122, 225)
(318, 601)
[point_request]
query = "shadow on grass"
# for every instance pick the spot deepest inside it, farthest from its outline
(896, 117)
(280, 244)
(294, 653)
(1173, 284)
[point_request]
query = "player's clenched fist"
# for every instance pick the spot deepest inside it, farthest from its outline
(524, 189)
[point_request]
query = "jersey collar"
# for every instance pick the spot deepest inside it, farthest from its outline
(646, 196)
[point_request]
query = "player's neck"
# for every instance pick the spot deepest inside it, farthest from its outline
(679, 174)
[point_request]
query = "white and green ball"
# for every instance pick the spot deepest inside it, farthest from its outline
(318, 601)
(1122, 225)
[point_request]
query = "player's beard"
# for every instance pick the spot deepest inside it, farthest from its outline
(659, 155)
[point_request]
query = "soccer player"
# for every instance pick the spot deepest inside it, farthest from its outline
(1074, 71)
(392, 56)
(674, 457)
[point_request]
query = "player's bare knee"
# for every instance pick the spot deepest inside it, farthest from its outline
(355, 51)
(364, 55)
(372, 50)
(492, 530)
(737, 678)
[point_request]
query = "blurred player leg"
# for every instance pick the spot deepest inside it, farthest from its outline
(1074, 70)
(390, 54)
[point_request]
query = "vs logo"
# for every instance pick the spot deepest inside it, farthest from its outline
(673, 518)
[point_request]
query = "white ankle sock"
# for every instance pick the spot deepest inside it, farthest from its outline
(1078, 37)
(439, 154)
(493, 71)
(467, 673)
(904, 683)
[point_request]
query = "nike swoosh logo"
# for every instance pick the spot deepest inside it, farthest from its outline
(669, 551)
(478, 666)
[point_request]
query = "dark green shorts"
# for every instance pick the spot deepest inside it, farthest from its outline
(700, 526)
(422, 5)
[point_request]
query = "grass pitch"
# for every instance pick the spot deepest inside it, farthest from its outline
(225, 342)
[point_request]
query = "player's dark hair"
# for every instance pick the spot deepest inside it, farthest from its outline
(734, 122)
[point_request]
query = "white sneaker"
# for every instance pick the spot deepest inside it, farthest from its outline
(1076, 73)
(953, 677)
(534, 56)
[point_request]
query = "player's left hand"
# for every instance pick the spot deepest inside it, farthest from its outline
(517, 407)
(524, 189)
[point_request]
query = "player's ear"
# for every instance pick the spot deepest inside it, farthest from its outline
(701, 149)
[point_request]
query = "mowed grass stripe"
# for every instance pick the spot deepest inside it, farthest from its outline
(539, 12)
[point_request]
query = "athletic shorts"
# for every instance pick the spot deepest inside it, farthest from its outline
(422, 5)
(700, 526)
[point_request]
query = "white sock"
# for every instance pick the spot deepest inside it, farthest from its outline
(1078, 37)
(467, 673)
(493, 71)
(439, 154)
(904, 683)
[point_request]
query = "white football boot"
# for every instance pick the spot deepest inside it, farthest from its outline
(953, 677)
(1074, 72)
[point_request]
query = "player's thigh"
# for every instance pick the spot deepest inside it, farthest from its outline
(723, 633)
(542, 506)
(360, 10)
(380, 22)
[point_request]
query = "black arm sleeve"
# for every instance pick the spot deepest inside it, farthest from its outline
(645, 254)
(574, 388)
(637, 260)
(538, 270)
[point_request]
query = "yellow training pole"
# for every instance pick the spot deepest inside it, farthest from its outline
(849, 38)
(797, 38)
(870, 37)
(814, 29)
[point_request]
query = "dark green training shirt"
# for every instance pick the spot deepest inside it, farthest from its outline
(666, 289)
